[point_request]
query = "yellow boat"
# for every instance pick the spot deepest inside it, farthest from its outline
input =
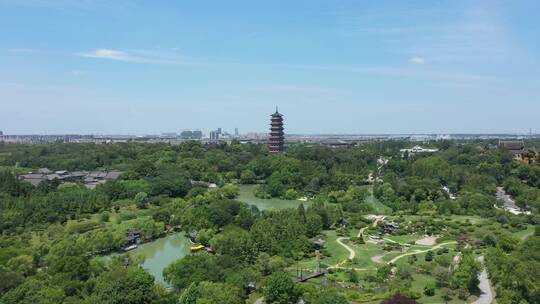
(197, 247)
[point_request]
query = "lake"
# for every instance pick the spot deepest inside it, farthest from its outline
(246, 195)
(162, 252)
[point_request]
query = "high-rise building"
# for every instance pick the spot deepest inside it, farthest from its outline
(236, 134)
(214, 135)
(197, 134)
(187, 134)
(276, 141)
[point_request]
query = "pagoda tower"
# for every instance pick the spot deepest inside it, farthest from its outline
(276, 141)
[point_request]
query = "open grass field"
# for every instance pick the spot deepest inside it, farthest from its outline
(523, 234)
(364, 252)
(336, 252)
(421, 280)
(403, 239)
(377, 206)
(15, 170)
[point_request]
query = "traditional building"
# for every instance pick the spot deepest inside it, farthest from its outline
(515, 147)
(276, 141)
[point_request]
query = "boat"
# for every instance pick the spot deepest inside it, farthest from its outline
(197, 247)
(130, 247)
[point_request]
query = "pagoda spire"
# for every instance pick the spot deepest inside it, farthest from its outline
(276, 140)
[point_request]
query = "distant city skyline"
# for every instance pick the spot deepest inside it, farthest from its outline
(332, 67)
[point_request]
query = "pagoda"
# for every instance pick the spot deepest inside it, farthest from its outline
(276, 141)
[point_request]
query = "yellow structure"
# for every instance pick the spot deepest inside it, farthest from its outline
(197, 247)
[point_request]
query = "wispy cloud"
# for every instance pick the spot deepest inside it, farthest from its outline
(417, 60)
(114, 55)
(142, 57)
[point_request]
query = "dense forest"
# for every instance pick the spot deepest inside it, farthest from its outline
(54, 234)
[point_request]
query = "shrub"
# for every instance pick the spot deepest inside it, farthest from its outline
(429, 289)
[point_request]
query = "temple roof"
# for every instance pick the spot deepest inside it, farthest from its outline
(277, 114)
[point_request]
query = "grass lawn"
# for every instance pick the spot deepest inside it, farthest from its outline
(406, 238)
(377, 206)
(364, 252)
(418, 283)
(524, 233)
(15, 170)
(336, 251)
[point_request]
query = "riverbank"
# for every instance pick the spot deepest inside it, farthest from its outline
(160, 253)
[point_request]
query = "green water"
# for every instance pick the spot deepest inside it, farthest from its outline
(246, 196)
(161, 252)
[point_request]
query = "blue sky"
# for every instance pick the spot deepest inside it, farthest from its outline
(132, 67)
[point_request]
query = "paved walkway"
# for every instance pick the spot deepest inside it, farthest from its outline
(486, 295)
(351, 251)
(419, 251)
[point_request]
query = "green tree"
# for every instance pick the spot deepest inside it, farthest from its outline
(429, 289)
(429, 256)
(124, 286)
(247, 177)
(280, 289)
(193, 269)
(211, 293)
(141, 199)
(105, 215)
(330, 296)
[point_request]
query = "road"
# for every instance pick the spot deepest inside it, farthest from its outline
(486, 295)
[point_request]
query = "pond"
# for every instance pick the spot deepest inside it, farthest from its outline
(246, 195)
(161, 252)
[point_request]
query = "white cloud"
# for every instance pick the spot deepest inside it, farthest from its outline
(144, 57)
(417, 60)
(113, 55)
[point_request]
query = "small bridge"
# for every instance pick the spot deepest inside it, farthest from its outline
(310, 276)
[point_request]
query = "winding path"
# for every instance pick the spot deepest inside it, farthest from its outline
(351, 251)
(420, 251)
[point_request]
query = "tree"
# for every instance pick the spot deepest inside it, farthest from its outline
(466, 276)
(399, 299)
(141, 199)
(105, 216)
(210, 293)
(124, 286)
(429, 256)
(353, 276)
(429, 289)
(446, 294)
(383, 273)
(194, 269)
(247, 177)
(9, 279)
(235, 242)
(330, 296)
(442, 276)
(280, 289)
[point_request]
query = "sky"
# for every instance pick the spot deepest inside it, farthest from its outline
(332, 66)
